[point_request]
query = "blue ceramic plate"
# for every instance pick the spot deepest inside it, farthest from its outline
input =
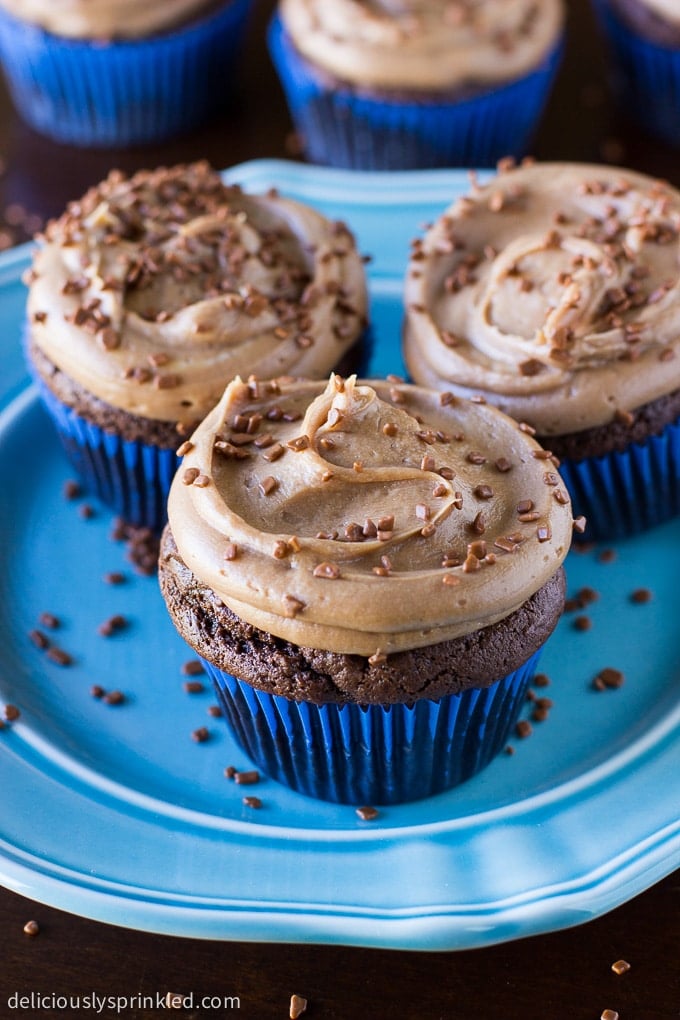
(116, 813)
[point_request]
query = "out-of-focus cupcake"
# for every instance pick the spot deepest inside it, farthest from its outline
(553, 292)
(151, 293)
(371, 601)
(119, 72)
(401, 84)
(644, 43)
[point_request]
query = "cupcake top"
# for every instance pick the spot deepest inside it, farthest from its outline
(366, 518)
(153, 292)
(104, 19)
(554, 291)
(666, 9)
(423, 45)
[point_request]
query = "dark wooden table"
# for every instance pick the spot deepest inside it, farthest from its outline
(561, 975)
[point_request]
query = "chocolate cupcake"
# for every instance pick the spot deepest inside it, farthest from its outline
(553, 292)
(119, 72)
(369, 571)
(151, 293)
(400, 84)
(643, 37)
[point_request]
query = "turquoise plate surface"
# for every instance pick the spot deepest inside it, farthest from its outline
(116, 813)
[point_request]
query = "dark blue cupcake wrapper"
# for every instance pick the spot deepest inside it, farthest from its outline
(346, 129)
(373, 754)
(646, 76)
(622, 494)
(131, 477)
(122, 93)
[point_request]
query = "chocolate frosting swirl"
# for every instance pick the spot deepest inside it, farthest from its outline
(423, 45)
(365, 518)
(154, 291)
(554, 290)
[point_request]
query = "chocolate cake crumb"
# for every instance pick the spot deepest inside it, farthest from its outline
(114, 577)
(640, 596)
(523, 729)
(252, 802)
(193, 667)
(201, 735)
(59, 656)
(114, 698)
(72, 489)
(193, 687)
(32, 928)
(367, 813)
(620, 966)
(39, 639)
(247, 778)
(298, 1005)
(608, 679)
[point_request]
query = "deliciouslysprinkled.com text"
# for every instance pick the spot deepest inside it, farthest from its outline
(116, 1005)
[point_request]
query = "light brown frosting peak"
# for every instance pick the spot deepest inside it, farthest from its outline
(366, 517)
(423, 45)
(104, 19)
(554, 289)
(153, 292)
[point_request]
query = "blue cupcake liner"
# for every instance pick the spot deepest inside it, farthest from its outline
(373, 754)
(646, 76)
(622, 494)
(342, 128)
(91, 93)
(131, 477)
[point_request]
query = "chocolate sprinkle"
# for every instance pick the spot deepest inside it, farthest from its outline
(32, 928)
(367, 813)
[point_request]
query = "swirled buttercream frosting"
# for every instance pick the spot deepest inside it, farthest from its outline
(153, 292)
(423, 45)
(366, 517)
(104, 19)
(554, 291)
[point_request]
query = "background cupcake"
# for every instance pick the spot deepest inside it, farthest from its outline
(370, 602)
(152, 292)
(644, 43)
(416, 83)
(553, 292)
(119, 72)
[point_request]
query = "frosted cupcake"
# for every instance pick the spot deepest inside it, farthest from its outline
(119, 72)
(644, 42)
(369, 579)
(148, 295)
(553, 292)
(399, 84)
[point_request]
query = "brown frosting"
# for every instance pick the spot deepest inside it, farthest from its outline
(366, 518)
(554, 291)
(104, 19)
(153, 292)
(423, 45)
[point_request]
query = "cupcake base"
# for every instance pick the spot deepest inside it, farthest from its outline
(373, 754)
(102, 93)
(346, 128)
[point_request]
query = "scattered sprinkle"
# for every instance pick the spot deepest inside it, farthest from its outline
(298, 1005)
(367, 813)
(32, 928)
(620, 966)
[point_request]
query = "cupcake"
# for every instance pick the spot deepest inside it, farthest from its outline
(152, 292)
(369, 580)
(416, 83)
(644, 42)
(121, 72)
(553, 292)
